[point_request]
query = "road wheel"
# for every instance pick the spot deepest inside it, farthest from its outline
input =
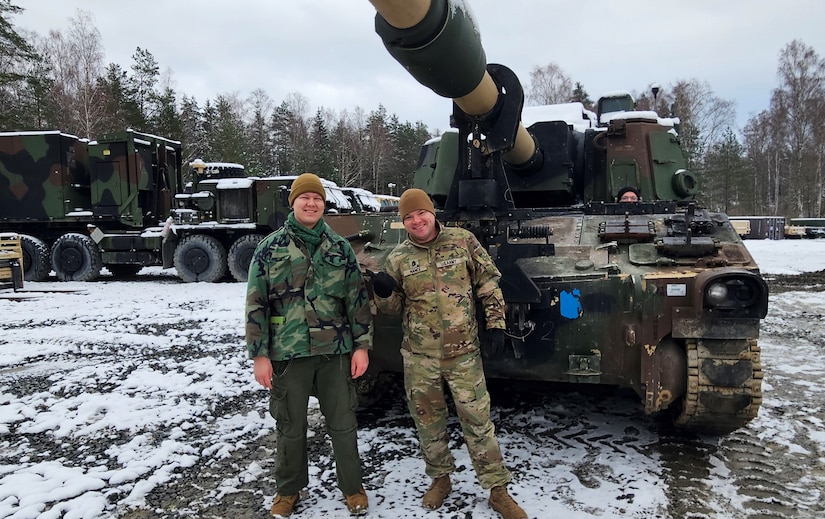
(36, 258)
(124, 270)
(240, 255)
(200, 258)
(75, 257)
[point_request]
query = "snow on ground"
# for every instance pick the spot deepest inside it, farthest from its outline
(788, 256)
(109, 389)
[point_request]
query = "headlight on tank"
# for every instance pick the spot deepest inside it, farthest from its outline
(716, 294)
(735, 293)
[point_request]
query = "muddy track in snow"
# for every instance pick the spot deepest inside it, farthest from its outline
(582, 429)
(813, 281)
(762, 471)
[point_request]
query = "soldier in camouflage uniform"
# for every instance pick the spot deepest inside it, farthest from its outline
(433, 280)
(308, 331)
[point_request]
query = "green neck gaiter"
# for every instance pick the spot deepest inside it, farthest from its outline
(311, 237)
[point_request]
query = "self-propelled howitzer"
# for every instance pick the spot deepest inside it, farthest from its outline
(659, 296)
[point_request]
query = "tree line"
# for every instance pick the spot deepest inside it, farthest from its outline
(771, 166)
(59, 81)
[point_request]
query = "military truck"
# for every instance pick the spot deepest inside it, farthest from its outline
(659, 296)
(82, 205)
(222, 215)
(362, 200)
(811, 227)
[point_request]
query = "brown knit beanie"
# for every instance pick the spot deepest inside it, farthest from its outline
(413, 200)
(306, 183)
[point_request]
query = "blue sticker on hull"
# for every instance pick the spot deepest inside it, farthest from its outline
(571, 306)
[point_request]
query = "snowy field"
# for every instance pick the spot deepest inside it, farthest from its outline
(788, 256)
(112, 392)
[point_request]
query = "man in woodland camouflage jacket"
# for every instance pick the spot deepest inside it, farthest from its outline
(433, 280)
(308, 331)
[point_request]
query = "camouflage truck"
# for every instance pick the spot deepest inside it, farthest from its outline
(659, 296)
(82, 205)
(222, 215)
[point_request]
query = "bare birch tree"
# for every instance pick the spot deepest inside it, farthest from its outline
(348, 147)
(76, 60)
(549, 85)
(798, 103)
(704, 117)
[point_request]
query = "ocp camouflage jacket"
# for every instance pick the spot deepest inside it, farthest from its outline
(438, 285)
(295, 308)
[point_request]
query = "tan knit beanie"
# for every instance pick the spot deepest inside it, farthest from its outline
(413, 200)
(306, 183)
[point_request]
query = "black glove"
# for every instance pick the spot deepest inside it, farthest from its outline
(496, 347)
(383, 284)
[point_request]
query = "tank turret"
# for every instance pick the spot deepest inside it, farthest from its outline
(552, 163)
(439, 44)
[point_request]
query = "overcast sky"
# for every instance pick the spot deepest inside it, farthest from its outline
(327, 50)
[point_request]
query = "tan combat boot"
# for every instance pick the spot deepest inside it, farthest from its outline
(357, 503)
(501, 502)
(283, 505)
(434, 496)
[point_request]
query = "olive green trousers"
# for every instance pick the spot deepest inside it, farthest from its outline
(293, 382)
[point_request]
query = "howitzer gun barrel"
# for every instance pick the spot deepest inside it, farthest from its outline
(437, 41)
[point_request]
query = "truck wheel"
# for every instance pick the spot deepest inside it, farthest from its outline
(75, 257)
(200, 258)
(36, 258)
(240, 255)
(124, 270)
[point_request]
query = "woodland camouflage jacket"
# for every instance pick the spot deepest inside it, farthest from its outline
(438, 285)
(295, 308)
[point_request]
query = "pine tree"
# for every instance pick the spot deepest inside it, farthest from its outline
(23, 77)
(322, 163)
(580, 95)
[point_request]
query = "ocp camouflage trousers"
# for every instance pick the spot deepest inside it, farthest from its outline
(424, 379)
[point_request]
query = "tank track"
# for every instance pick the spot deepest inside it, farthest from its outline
(724, 386)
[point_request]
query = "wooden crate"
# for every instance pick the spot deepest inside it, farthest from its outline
(11, 261)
